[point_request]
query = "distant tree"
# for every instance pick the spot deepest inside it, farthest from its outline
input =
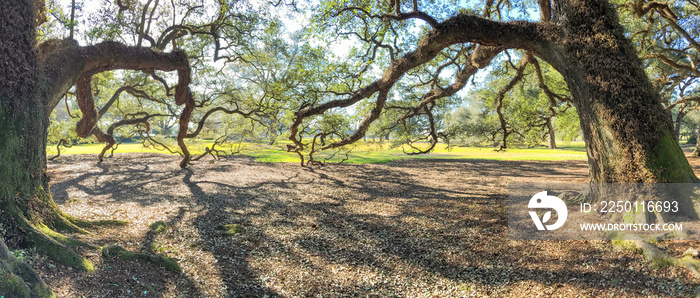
(526, 99)
(470, 127)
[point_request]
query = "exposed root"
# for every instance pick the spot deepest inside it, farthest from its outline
(63, 223)
(159, 226)
(230, 229)
(159, 260)
(55, 245)
(42, 232)
(653, 254)
(65, 240)
(17, 279)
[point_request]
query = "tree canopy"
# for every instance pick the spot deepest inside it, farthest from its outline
(327, 74)
(309, 71)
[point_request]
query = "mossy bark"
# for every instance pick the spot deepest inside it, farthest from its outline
(628, 133)
(156, 259)
(17, 279)
(630, 137)
(26, 206)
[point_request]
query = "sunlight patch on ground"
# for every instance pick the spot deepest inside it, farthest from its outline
(362, 153)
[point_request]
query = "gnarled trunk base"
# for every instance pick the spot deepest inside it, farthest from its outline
(43, 229)
(17, 279)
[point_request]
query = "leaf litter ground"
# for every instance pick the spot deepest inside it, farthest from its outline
(407, 228)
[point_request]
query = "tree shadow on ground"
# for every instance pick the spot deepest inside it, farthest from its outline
(439, 233)
(236, 273)
(120, 179)
(400, 229)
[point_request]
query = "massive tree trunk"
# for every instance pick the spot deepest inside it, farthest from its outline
(27, 209)
(25, 203)
(629, 135)
(33, 80)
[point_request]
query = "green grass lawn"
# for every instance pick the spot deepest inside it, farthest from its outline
(364, 153)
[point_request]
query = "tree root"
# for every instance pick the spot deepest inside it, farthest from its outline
(653, 254)
(17, 279)
(65, 240)
(43, 235)
(92, 224)
(159, 260)
(230, 229)
(55, 245)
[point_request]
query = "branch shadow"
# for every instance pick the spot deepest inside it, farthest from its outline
(369, 230)
(464, 240)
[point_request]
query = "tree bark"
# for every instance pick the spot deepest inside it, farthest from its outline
(552, 137)
(25, 202)
(678, 122)
(628, 133)
(696, 152)
(17, 279)
(32, 80)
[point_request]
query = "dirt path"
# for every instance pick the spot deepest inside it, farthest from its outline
(408, 228)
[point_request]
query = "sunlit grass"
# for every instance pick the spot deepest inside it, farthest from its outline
(362, 153)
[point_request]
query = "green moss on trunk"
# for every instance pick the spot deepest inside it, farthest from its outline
(17, 279)
(45, 242)
(628, 133)
(668, 162)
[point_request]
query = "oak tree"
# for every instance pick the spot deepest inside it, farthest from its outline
(629, 135)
